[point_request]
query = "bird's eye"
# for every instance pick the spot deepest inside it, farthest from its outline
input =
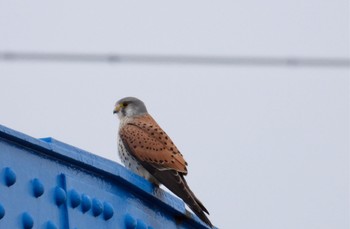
(125, 104)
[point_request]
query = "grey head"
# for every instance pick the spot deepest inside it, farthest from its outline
(129, 107)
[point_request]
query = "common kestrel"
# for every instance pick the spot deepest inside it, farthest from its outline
(148, 151)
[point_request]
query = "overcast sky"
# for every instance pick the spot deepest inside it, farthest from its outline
(267, 147)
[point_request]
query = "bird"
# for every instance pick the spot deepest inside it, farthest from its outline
(148, 151)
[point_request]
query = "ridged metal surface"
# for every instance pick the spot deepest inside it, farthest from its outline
(49, 184)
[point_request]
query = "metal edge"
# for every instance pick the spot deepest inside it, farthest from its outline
(97, 164)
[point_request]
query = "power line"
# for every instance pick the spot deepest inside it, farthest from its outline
(176, 59)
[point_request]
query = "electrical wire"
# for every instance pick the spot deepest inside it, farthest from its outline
(175, 59)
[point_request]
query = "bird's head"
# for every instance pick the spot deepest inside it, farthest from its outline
(128, 107)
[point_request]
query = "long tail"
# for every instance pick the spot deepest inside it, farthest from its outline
(176, 183)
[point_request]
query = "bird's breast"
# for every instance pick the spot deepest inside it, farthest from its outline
(133, 164)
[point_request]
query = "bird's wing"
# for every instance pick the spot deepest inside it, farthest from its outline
(150, 144)
(176, 183)
(155, 151)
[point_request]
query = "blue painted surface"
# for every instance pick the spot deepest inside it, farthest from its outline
(38, 187)
(49, 184)
(27, 221)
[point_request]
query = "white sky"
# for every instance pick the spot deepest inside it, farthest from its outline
(267, 147)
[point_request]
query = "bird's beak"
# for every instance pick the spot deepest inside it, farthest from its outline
(117, 108)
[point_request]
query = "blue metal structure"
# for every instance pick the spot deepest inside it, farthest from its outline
(48, 184)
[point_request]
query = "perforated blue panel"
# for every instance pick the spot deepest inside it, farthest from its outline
(47, 184)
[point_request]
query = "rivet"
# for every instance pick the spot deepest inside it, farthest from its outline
(140, 224)
(130, 222)
(38, 187)
(97, 207)
(27, 221)
(60, 196)
(74, 198)
(108, 211)
(50, 225)
(85, 203)
(10, 177)
(2, 211)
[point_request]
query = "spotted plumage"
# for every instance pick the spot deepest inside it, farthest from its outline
(148, 151)
(132, 163)
(151, 144)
